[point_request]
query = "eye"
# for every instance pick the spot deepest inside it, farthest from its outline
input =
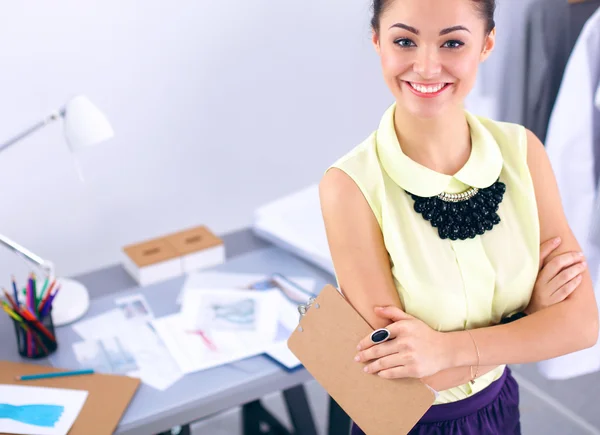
(404, 43)
(453, 44)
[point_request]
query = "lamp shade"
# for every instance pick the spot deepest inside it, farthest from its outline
(85, 124)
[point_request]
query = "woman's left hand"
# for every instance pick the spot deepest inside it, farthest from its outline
(414, 350)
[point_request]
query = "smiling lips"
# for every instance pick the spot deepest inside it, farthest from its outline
(429, 90)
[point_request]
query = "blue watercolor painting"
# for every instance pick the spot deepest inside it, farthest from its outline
(36, 414)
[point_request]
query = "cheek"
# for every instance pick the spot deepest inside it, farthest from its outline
(464, 69)
(392, 64)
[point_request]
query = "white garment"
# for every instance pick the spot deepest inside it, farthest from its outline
(570, 147)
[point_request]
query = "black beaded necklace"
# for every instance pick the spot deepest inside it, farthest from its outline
(462, 215)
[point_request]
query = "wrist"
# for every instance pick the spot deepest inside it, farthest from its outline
(463, 351)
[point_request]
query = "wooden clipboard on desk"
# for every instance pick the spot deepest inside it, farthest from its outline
(107, 401)
(325, 342)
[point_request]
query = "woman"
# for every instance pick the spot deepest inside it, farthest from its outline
(435, 223)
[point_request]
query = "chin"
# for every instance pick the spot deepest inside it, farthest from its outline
(423, 111)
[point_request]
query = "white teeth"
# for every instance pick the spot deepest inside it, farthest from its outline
(428, 89)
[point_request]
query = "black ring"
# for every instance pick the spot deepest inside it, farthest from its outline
(380, 335)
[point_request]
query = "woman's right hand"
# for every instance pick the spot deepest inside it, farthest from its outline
(557, 279)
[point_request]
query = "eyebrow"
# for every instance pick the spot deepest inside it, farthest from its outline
(442, 32)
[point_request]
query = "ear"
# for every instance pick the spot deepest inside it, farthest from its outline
(489, 44)
(375, 40)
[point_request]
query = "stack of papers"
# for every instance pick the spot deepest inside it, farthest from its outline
(122, 341)
(295, 224)
(224, 317)
(217, 326)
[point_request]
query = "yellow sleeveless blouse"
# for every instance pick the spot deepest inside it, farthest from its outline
(462, 284)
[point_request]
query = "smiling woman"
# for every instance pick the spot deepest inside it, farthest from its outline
(446, 229)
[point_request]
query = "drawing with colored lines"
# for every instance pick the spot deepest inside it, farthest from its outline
(39, 410)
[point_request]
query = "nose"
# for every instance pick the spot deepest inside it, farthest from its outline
(427, 63)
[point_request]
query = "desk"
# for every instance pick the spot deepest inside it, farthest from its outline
(208, 392)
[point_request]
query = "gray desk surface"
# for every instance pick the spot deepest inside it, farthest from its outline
(200, 394)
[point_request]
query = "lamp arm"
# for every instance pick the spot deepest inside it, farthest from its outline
(47, 266)
(32, 129)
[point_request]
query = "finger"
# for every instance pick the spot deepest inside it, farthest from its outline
(367, 343)
(563, 293)
(398, 372)
(546, 249)
(567, 275)
(560, 262)
(392, 313)
(382, 350)
(385, 363)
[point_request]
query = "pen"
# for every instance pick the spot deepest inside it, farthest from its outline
(54, 375)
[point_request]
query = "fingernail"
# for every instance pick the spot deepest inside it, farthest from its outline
(357, 358)
(581, 254)
(366, 369)
(358, 347)
(584, 263)
(557, 241)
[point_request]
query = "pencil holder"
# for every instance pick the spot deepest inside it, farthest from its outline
(35, 342)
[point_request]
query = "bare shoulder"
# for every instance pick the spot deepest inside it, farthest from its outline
(356, 245)
(338, 191)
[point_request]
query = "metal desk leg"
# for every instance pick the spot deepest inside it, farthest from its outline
(339, 422)
(256, 420)
(299, 411)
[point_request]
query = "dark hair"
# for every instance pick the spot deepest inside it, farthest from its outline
(485, 7)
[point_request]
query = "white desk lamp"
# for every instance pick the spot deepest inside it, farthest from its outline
(84, 125)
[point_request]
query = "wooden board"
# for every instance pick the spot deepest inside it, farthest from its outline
(108, 395)
(325, 343)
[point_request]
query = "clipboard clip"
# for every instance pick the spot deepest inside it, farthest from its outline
(303, 309)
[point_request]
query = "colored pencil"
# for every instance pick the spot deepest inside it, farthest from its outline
(26, 325)
(10, 300)
(15, 291)
(48, 304)
(48, 293)
(34, 295)
(30, 317)
(42, 294)
(55, 375)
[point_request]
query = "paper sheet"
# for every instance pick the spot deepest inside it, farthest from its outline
(213, 280)
(39, 410)
(220, 326)
(123, 341)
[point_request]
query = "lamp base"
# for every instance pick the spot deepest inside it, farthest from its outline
(71, 302)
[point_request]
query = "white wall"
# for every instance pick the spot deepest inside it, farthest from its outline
(218, 106)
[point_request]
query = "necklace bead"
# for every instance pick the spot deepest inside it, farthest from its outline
(462, 215)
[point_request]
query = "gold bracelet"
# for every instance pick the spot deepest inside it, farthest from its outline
(471, 367)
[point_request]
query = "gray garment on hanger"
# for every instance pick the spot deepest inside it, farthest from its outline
(552, 31)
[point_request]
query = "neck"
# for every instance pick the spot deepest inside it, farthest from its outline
(442, 144)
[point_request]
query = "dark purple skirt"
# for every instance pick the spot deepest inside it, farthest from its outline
(493, 411)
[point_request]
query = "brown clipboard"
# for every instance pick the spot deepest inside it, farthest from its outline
(325, 342)
(107, 400)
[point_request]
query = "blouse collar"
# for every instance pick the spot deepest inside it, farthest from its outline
(481, 170)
